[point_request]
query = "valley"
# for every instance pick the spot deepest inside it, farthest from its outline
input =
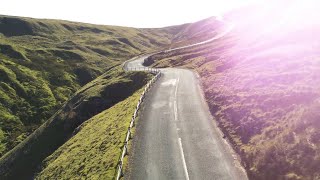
(238, 98)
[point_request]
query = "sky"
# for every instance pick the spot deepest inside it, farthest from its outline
(133, 13)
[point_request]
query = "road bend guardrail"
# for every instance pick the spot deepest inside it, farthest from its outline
(151, 70)
(124, 152)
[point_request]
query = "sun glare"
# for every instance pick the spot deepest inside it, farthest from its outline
(299, 14)
(139, 13)
(271, 19)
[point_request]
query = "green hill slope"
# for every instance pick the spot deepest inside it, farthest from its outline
(103, 93)
(94, 151)
(51, 98)
(43, 62)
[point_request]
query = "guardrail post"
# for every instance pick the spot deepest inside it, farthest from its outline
(132, 123)
(124, 152)
(120, 174)
(128, 136)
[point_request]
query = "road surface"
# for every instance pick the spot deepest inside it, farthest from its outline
(226, 31)
(176, 137)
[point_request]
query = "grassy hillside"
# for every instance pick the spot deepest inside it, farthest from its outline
(262, 85)
(94, 151)
(103, 93)
(196, 32)
(43, 62)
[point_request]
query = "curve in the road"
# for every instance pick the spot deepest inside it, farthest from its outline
(226, 31)
(176, 137)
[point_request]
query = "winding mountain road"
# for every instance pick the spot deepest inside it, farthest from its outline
(176, 137)
(226, 31)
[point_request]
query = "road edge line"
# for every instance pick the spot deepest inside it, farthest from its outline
(183, 160)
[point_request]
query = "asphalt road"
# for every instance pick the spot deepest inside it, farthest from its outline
(176, 137)
(226, 31)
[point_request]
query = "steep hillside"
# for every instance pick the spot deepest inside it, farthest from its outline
(43, 62)
(262, 84)
(196, 32)
(103, 93)
(94, 151)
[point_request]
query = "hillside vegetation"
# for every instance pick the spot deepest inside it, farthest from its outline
(101, 94)
(43, 62)
(262, 85)
(94, 151)
(197, 32)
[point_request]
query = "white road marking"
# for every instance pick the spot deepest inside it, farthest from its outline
(177, 83)
(176, 118)
(183, 160)
(170, 82)
(175, 108)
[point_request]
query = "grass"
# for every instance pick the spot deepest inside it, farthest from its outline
(60, 82)
(103, 93)
(197, 32)
(44, 62)
(264, 94)
(94, 151)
